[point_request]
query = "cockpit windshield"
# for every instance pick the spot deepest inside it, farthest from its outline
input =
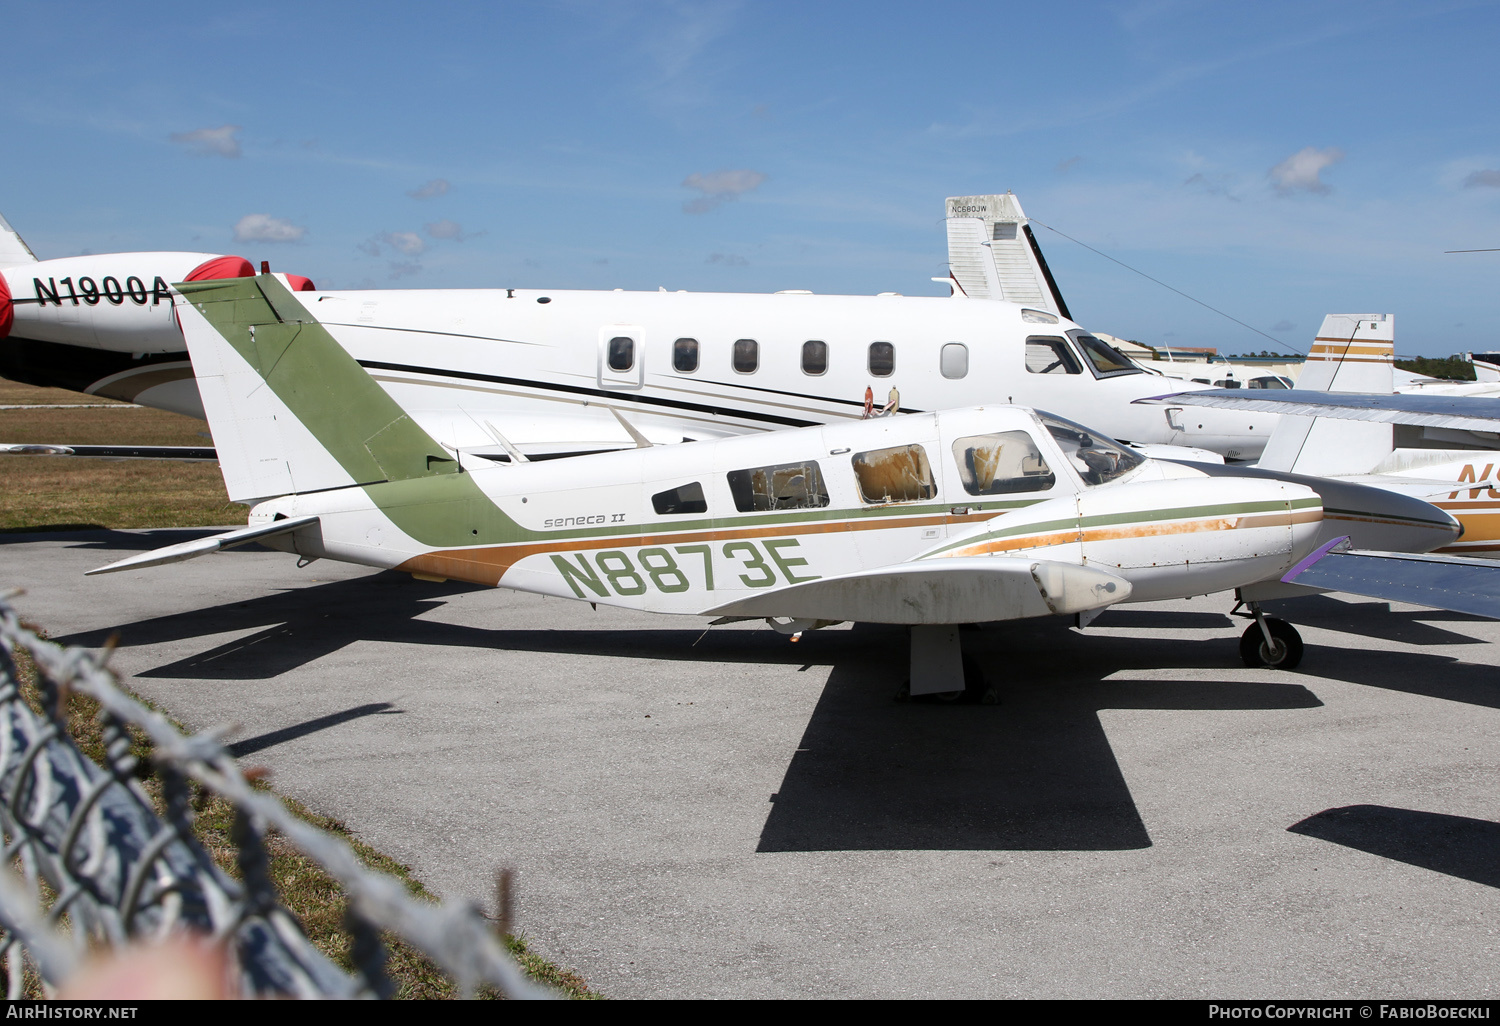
(1098, 458)
(1106, 360)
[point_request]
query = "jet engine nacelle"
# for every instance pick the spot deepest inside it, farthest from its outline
(115, 301)
(1169, 539)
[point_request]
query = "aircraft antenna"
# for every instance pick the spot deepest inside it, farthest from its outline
(1184, 295)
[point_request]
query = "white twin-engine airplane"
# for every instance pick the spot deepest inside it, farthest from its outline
(542, 366)
(929, 520)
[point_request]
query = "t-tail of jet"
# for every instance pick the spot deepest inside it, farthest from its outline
(992, 253)
(1351, 353)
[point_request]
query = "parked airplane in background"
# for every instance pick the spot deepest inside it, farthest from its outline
(1352, 356)
(982, 514)
(543, 368)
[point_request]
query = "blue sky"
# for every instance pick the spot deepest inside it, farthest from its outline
(1275, 160)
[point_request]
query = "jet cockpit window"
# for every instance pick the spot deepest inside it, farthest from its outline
(882, 359)
(1271, 381)
(1106, 360)
(1050, 356)
(685, 355)
(686, 498)
(746, 356)
(815, 358)
(621, 353)
(953, 360)
(1098, 458)
(901, 474)
(787, 486)
(1002, 463)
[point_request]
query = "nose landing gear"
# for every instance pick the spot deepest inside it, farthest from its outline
(1269, 642)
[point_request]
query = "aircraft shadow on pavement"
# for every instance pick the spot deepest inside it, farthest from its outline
(1375, 620)
(270, 738)
(92, 536)
(1456, 845)
(1035, 773)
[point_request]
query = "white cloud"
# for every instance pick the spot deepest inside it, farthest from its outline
(719, 187)
(1483, 177)
(406, 243)
(446, 229)
(1300, 172)
(727, 259)
(211, 142)
(436, 187)
(404, 268)
(265, 228)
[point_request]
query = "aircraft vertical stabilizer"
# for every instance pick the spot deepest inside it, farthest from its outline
(1352, 353)
(994, 255)
(13, 249)
(290, 410)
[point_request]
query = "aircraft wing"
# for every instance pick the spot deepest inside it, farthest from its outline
(1439, 582)
(203, 546)
(941, 591)
(185, 453)
(1461, 412)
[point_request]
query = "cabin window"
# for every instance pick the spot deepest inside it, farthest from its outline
(746, 356)
(621, 353)
(685, 355)
(901, 474)
(953, 361)
(686, 498)
(882, 359)
(787, 486)
(1050, 356)
(1106, 360)
(814, 357)
(1001, 463)
(1098, 458)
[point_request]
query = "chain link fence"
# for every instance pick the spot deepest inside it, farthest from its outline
(99, 867)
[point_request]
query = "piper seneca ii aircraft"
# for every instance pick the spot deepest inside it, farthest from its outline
(929, 520)
(543, 366)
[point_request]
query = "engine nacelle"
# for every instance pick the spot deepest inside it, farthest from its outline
(1169, 539)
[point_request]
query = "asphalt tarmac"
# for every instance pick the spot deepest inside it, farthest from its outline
(725, 813)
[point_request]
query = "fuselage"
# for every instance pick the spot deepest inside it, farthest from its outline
(542, 366)
(691, 528)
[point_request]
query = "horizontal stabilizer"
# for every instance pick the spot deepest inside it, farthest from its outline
(185, 453)
(941, 591)
(203, 546)
(1463, 412)
(1438, 582)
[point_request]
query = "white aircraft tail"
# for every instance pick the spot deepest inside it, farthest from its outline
(1352, 353)
(290, 410)
(13, 249)
(992, 253)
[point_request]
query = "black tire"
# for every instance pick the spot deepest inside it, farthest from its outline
(975, 691)
(1255, 654)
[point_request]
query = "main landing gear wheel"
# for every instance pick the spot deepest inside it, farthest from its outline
(976, 690)
(1284, 653)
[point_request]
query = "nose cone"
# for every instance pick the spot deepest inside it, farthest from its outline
(7, 308)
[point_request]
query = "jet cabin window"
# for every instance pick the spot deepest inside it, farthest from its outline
(1050, 356)
(953, 361)
(686, 498)
(621, 353)
(1107, 361)
(901, 474)
(685, 355)
(815, 358)
(788, 486)
(882, 359)
(1097, 458)
(746, 357)
(1002, 463)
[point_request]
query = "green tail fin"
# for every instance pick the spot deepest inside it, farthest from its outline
(333, 397)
